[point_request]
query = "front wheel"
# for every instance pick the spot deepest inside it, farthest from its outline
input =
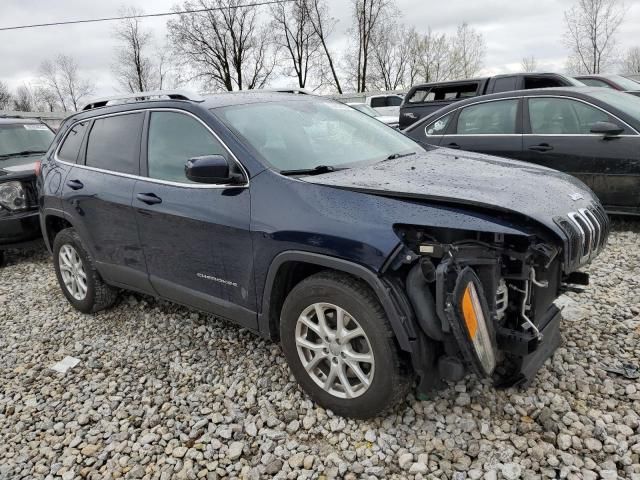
(78, 278)
(340, 346)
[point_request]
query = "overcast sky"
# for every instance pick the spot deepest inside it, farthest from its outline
(512, 29)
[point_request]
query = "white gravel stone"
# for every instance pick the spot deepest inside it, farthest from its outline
(163, 392)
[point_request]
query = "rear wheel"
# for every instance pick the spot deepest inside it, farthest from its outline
(340, 346)
(80, 281)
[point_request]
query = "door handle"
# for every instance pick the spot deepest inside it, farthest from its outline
(543, 147)
(75, 184)
(455, 146)
(149, 198)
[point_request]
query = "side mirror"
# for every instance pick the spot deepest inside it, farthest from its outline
(212, 169)
(607, 129)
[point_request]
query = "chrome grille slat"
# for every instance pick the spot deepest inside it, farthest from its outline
(587, 231)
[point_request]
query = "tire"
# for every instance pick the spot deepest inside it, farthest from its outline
(3, 258)
(388, 377)
(98, 295)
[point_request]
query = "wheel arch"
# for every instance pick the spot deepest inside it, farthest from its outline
(282, 276)
(52, 223)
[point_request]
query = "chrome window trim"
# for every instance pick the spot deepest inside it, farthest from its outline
(149, 179)
(527, 97)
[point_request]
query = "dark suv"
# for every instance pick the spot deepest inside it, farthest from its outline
(372, 260)
(22, 143)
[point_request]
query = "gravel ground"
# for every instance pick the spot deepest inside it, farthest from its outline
(164, 392)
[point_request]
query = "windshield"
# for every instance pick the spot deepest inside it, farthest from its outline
(624, 102)
(364, 108)
(24, 139)
(299, 135)
(625, 83)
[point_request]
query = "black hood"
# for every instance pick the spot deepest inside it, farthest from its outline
(466, 178)
(18, 167)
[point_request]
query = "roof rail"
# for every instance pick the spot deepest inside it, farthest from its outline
(143, 96)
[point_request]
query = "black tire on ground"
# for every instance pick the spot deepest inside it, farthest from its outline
(391, 377)
(3, 258)
(99, 295)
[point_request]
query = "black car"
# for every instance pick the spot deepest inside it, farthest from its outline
(615, 82)
(370, 258)
(423, 100)
(591, 133)
(22, 143)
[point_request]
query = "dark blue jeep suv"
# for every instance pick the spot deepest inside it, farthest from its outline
(372, 259)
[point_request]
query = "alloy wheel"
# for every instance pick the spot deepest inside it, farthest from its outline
(335, 350)
(72, 271)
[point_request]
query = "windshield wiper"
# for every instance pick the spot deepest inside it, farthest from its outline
(24, 153)
(320, 169)
(393, 156)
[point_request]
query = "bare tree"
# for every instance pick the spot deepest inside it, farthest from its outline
(5, 96)
(368, 16)
(430, 58)
(51, 82)
(323, 25)
(23, 100)
(467, 52)
(61, 80)
(46, 99)
(632, 61)
(226, 48)
(529, 64)
(590, 35)
(391, 54)
(133, 67)
(297, 37)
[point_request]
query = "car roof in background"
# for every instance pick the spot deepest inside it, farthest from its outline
(18, 120)
(480, 79)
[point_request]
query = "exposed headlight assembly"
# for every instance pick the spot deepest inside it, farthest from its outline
(13, 196)
(473, 330)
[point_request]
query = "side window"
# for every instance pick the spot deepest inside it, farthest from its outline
(421, 95)
(378, 102)
(174, 138)
(563, 116)
(394, 101)
(504, 84)
(542, 82)
(71, 146)
(439, 126)
(497, 118)
(114, 143)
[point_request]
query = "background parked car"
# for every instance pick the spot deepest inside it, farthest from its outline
(422, 100)
(591, 133)
(616, 82)
(391, 120)
(22, 143)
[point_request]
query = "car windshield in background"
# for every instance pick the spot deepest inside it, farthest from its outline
(302, 135)
(624, 102)
(24, 139)
(625, 83)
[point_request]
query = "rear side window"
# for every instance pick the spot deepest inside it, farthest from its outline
(114, 143)
(491, 118)
(445, 92)
(505, 84)
(378, 102)
(174, 138)
(543, 82)
(72, 143)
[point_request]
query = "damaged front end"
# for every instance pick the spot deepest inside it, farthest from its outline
(484, 302)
